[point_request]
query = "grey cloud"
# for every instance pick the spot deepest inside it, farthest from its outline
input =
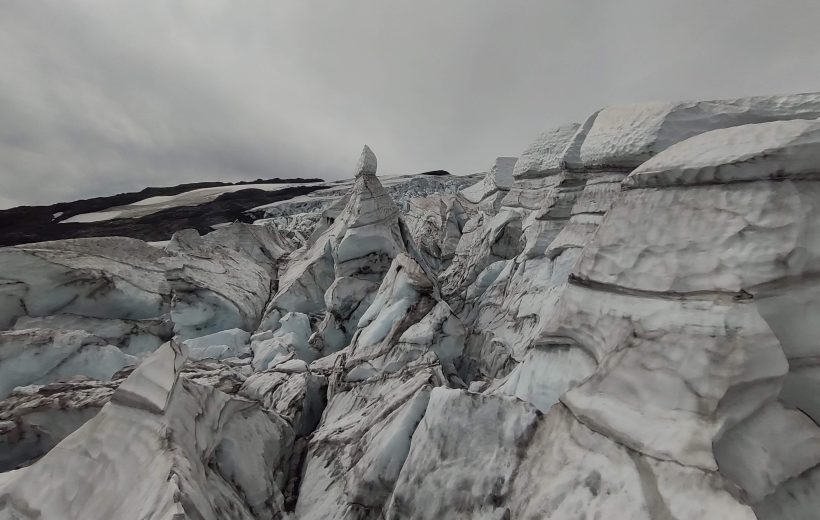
(98, 97)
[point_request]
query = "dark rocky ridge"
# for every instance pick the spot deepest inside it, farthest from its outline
(26, 224)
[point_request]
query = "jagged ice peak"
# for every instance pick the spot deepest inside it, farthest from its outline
(367, 162)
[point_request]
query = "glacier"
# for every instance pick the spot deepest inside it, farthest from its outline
(619, 323)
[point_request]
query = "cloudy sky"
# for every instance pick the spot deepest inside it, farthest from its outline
(102, 96)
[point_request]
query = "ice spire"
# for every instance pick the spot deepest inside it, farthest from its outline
(367, 162)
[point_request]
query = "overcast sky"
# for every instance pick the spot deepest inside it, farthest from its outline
(99, 97)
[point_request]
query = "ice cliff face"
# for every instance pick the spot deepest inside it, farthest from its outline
(621, 323)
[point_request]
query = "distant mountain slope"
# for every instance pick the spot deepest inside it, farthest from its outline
(154, 214)
(26, 224)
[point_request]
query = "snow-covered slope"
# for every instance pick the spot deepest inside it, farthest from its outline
(620, 323)
(155, 214)
(153, 204)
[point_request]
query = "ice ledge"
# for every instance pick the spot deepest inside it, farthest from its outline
(152, 383)
(624, 136)
(766, 151)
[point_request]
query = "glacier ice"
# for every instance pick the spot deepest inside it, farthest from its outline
(619, 323)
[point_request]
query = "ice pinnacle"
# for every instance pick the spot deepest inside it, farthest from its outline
(367, 162)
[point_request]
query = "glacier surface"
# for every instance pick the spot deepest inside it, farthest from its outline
(619, 323)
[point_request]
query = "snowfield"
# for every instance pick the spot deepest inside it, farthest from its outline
(154, 204)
